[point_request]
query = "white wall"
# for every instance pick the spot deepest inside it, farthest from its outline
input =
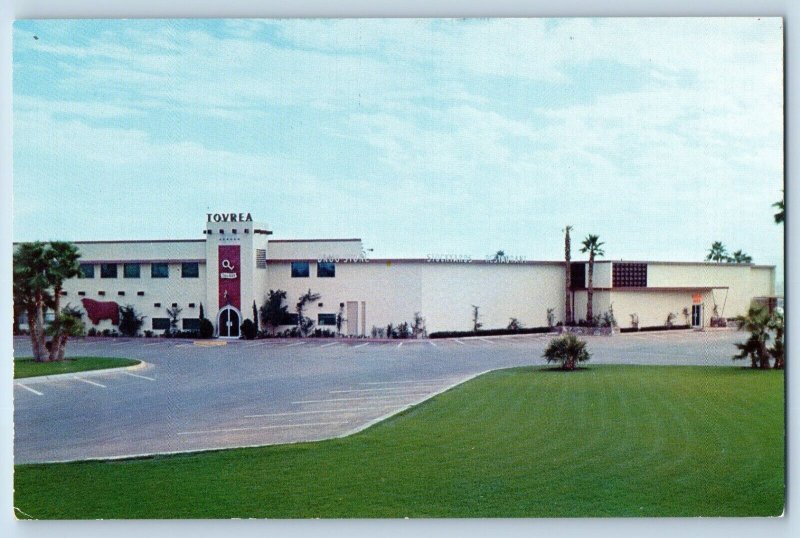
(312, 250)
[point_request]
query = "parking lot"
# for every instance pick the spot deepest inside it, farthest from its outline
(194, 396)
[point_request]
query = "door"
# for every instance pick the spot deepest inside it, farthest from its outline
(228, 323)
(697, 315)
(352, 318)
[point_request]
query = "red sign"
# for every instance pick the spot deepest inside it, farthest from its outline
(697, 298)
(229, 270)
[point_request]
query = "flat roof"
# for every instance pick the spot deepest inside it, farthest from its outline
(312, 240)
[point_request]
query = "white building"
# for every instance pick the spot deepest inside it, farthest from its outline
(237, 263)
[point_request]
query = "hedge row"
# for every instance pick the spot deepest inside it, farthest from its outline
(654, 328)
(489, 332)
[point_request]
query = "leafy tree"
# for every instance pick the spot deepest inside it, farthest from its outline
(249, 329)
(67, 323)
(551, 317)
(756, 322)
(592, 245)
(418, 329)
(129, 320)
(40, 270)
(568, 318)
(403, 330)
(780, 215)
(717, 252)
(568, 350)
(476, 325)
(303, 324)
(739, 257)
(174, 314)
(776, 324)
(273, 311)
(514, 324)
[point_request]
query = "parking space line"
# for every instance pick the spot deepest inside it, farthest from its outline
(88, 381)
(29, 389)
(321, 411)
(459, 341)
(366, 398)
(431, 343)
(408, 381)
(361, 345)
(151, 344)
(139, 376)
(295, 344)
(383, 389)
(399, 345)
(329, 345)
(272, 427)
(487, 341)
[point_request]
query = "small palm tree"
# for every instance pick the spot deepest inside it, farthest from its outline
(740, 257)
(567, 350)
(591, 245)
(717, 252)
(756, 322)
(779, 216)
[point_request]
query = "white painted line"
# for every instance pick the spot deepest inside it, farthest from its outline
(366, 398)
(381, 389)
(89, 382)
(184, 345)
(329, 345)
(253, 345)
(459, 341)
(29, 389)
(321, 411)
(421, 381)
(487, 341)
(227, 430)
(139, 376)
(399, 345)
(151, 344)
(295, 344)
(431, 343)
(360, 345)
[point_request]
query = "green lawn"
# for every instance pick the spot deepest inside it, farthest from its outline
(27, 367)
(606, 441)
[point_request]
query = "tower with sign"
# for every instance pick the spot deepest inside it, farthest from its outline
(236, 251)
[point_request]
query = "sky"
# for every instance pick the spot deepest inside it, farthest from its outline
(422, 137)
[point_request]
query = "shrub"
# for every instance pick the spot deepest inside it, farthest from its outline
(568, 350)
(91, 332)
(489, 332)
(515, 325)
(249, 329)
(206, 328)
(148, 333)
(129, 320)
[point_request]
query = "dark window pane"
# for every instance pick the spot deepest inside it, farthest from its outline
(300, 269)
(131, 270)
(326, 269)
(577, 277)
(326, 319)
(159, 270)
(191, 324)
(629, 275)
(108, 270)
(190, 270)
(87, 270)
(160, 324)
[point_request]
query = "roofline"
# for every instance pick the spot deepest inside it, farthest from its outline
(125, 241)
(348, 260)
(313, 240)
(652, 262)
(659, 288)
(153, 260)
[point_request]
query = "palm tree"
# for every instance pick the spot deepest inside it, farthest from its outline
(499, 255)
(567, 276)
(756, 322)
(300, 307)
(717, 252)
(779, 216)
(568, 350)
(63, 266)
(740, 257)
(591, 245)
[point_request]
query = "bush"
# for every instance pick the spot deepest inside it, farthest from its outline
(654, 328)
(148, 333)
(249, 329)
(129, 320)
(567, 350)
(91, 332)
(206, 328)
(489, 332)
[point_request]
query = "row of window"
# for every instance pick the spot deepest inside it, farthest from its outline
(134, 270)
(324, 269)
(188, 324)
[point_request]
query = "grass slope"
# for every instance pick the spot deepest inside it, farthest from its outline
(606, 441)
(27, 367)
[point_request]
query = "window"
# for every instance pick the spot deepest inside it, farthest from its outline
(326, 319)
(87, 270)
(629, 275)
(300, 270)
(191, 324)
(577, 276)
(261, 258)
(140, 293)
(108, 270)
(156, 305)
(82, 293)
(159, 270)
(326, 269)
(160, 324)
(190, 270)
(121, 293)
(131, 270)
(101, 293)
(289, 319)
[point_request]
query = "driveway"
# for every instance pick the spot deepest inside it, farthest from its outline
(246, 393)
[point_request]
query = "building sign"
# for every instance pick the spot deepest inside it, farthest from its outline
(229, 271)
(697, 298)
(229, 217)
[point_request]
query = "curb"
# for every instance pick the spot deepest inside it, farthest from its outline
(88, 373)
